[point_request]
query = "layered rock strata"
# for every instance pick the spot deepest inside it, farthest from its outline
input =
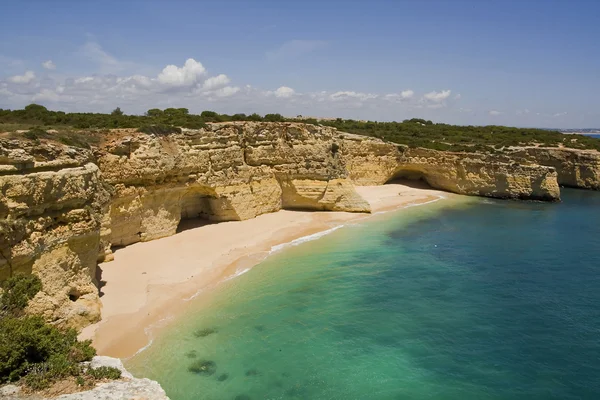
(51, 206)
(374, 162)
(228, 172)
(62, 208)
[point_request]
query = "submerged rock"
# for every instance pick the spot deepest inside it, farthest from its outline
(191, 354)
(200, 333)
(222, 377)
(203, 367)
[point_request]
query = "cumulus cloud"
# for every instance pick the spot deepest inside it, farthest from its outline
(216, 82)
(22, 79)
(284, 92)
(495, 112)
(188, 75)
(437, 97)
(49, 64)
(402, 96)
(191, 85)
(560, 114)
(407, 94)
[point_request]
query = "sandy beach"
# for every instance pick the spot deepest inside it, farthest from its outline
(152, 281)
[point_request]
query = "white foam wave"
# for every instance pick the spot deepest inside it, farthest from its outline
(425, 202)
(192, 297)
(237, 273)
(148, 332)
(304, 239)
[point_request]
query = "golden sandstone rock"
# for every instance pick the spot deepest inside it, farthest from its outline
(62, 208)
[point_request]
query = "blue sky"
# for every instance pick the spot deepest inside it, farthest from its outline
(523, 63)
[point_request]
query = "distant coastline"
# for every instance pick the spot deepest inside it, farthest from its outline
(588, 132)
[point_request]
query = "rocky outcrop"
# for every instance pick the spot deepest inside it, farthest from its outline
(374, 162)
(127, 388)
(62, 208)
(575, 168)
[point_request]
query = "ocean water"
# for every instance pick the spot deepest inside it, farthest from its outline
(595, 136)
(482, 299)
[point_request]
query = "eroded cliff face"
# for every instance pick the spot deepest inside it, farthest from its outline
(51, 202)
(62, 209)
(232, 171)
(575, 168)
(374, 162)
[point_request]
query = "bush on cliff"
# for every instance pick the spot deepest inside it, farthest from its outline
(31, 349)
(415, 132)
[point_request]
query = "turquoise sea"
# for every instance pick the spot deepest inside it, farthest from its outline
(477, 299)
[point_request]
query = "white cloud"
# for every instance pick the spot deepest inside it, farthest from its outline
(216, 82)
(495, 112)
(352, 95)
(523, 112)
(198, 90)
(45, 95)
(402, 96)
(188, 75)
(407, 94)
(437, 97)
(284, 92)
(560, 114)
(227, 91)
(49, 64)
(457, 97)
(295, 48)
(25, 78)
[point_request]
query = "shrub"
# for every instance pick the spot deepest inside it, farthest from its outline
(36, 133)
(28, 344)
(104, 373)
(159, 129)
(34, 350)
(17, 291)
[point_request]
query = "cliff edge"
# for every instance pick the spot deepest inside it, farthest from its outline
(63, 208)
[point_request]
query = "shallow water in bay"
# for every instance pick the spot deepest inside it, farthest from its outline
(483, 299)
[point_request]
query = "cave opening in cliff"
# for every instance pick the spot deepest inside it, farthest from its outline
(410, 178)
(199, 208)
(195, 212)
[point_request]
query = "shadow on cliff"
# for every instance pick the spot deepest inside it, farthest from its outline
(187, 224)
(101, 283)
(419, 183)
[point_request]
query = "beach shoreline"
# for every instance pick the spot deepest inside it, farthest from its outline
(148, 284)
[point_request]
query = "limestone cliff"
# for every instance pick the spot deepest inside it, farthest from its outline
(374, 162)
(575, 168)
(231, 171)
(63, 208)
(51, 201)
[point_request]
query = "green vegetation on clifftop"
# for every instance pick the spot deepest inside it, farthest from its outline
(36, 120)
(36, 352)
